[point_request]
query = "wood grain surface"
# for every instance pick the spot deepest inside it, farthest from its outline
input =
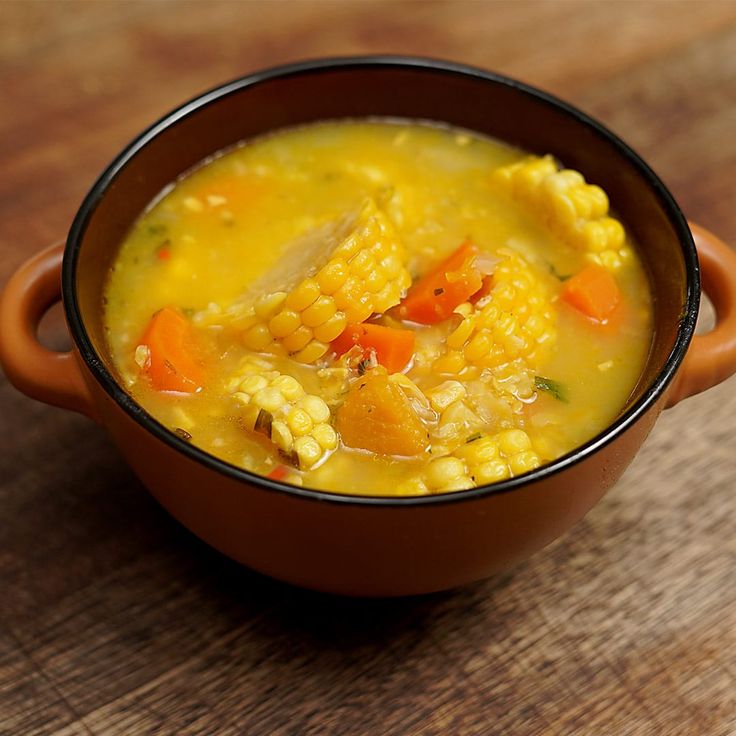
(115, 620)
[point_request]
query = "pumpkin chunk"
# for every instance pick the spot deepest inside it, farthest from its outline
(377, 416)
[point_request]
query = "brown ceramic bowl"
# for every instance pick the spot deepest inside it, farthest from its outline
(361, 545)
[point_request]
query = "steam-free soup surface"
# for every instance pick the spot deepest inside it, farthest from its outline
(380, 308)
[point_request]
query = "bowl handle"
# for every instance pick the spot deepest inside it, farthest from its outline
(711, 358)
(43, 374)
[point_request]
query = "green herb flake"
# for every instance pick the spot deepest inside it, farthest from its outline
(556, 389)
(473, 437)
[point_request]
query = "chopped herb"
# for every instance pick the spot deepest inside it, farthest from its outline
(263, 422)
(156, 229)
(362, 367)
(554, 388)
(474, 437)
(188, 311)
(437, 292)
(183, 434)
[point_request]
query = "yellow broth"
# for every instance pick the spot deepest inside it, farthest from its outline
(231, 222)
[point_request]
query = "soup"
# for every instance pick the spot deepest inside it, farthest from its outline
(380, 308)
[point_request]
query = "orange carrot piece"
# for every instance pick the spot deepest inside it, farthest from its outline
(278, 473)
(394, 348)
(173, 363)
(592, 291)
(433, 297)
(377, 416)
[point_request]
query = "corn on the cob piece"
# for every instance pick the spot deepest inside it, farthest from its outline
(514, 324)
(482, 459)
(577, 212)
(277, 405)
(357, 270)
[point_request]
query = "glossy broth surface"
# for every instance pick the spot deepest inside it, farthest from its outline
(261, 218)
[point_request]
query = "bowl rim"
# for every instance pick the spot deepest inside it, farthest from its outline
(136, 412)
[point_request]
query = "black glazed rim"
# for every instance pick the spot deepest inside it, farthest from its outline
(137, 413)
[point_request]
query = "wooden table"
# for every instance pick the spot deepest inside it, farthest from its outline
(115, 620)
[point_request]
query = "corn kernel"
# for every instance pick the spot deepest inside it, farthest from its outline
(440, 397)
(300, 423)
(348, 293)
(582, 202)
(461, 483)
(315, 407)
(297, 340)
(289, 387)
(331, 328)
(478, 347)
(412, 487)
(452, 362)
(479, 451)
(610, 259)
(491, 472)
(523, 462)
(375, 280)
(362, 264)
(464, 310)
(313, 351)
(307, 450)
(513, 441)
(257, 337)
(303, 295)
(269, 304)
(284, 323)
(253, 383)
(242, 397)
(319, 312)
(595, 236)
(391, 266)
(444, 470)
(459, 336)
(332, 276)
(270, 399)
(326, 436)
(564, 210)
(389, 295)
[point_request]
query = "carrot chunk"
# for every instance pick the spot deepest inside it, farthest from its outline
(394, 348)
(433, 297)
(173, 363)
(592, 291)
(377, 416)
